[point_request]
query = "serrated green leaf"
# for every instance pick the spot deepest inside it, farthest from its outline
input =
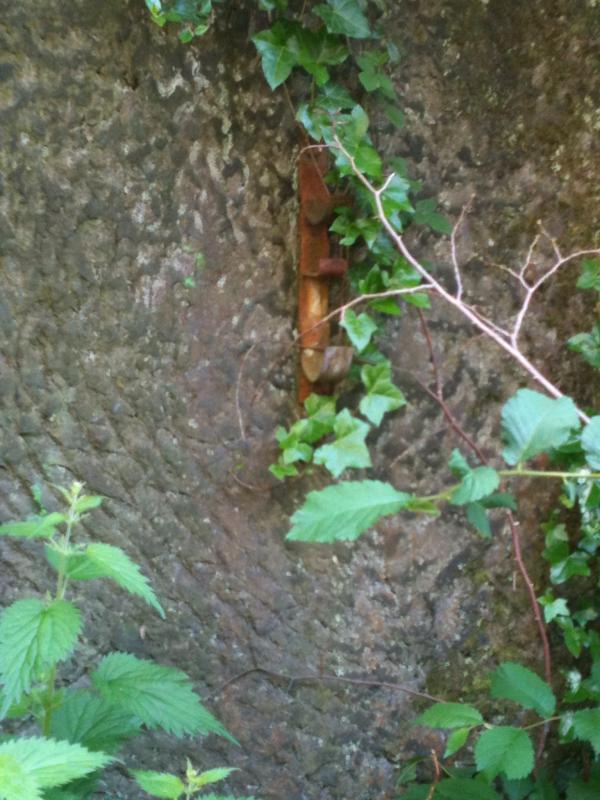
(465, 789)
(15, 783)
(590, 441)
(87, 503)
(515, 682)
(345, 17)
(162, 697)
(213, 776)
(587, 345)
(544, 789)
(449, 715)
(348, 449)
(343, 511)
(533, 423)
(476, 484)
(278, 59)
(477, 516)
(52, 763)
(33, 637)
(504, 750)
(36, 527)
(456, 740)
(159, 784)
(458, 464)
(517, 790)
(382, 396)
(590, 274)
(100, 560)
(579, 789)
(93, 722)
(359, 328)
(586, 724)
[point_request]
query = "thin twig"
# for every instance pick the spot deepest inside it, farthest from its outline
(238, 385)
(437, 775)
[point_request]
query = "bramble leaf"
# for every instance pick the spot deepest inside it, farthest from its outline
(162, 697)
(100, 560)
(449, 715)
(345, 17)
(515, 682)
(477, 516)
(159, 784)
(456, 740)
(590, 441)
(89, 720)
(504, 749)
(476, 484)
(533, 423)
(359, 328)
(51, 763)
(348, 449)
(586, 724)
(36, 527)
(382, 395)
(345, 510)
(33, 637)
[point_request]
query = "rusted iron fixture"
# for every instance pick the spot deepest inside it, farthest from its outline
(322, 364)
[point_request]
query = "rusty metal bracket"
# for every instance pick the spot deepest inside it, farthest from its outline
(321, 363)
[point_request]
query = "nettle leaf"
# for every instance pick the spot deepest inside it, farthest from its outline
(36, 527)
(590, 441)
(590, 274)
(382, 396)
(504, 750)
(465, 789)
(533, 423)
(456, 740)
(449, 715)
(213, 776)
(348, 449)
(89, 720)
(343, 511)
(586, 724)
(278, 58)
(100, 560)
(33, 637)
(162, 697)
(476, 484)
(51, 763)
(359, 328)
(345, 17)
(159, 784)
(87, 503)
(15, 782)
(587, 345)
(515, 682)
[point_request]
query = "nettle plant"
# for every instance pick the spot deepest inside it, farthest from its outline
(80, 730)
(333, 50)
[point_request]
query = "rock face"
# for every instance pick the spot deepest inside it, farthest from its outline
(158, 376)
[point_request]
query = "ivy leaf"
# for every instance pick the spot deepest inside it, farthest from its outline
(590, 441)
(586, 724)
(89, 720)
(588, 346)
(395, 198)
(278, 59)
(449, 715)
(161, 697)
(456, 740)
(395, 115)
(359, 328)
(342, 512)
(504, 749)
(159, 784)
(51, 763)
(477, 483)
(37, 527)
(426, 214)
(345, 17)
(273, 5)
(348, 449)
(512, 681)
(382, 396)
(315, 50)
(100, 560)
(590, 274)
(533, 423)
(33, 637)
(465, 789)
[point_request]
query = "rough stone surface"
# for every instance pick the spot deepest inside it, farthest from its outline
(123, 156)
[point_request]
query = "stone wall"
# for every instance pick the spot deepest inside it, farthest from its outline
(123, 156)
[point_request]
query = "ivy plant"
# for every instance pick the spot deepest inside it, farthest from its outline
(80, 729)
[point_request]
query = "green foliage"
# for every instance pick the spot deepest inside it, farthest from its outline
(159, 784)
(194, 16)
(506, 750)
(450, 715)
(515, 682)
(382, 396)
(359, 328)
(82, 729)
(588, 345)
(348, 448)
(345, 17)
